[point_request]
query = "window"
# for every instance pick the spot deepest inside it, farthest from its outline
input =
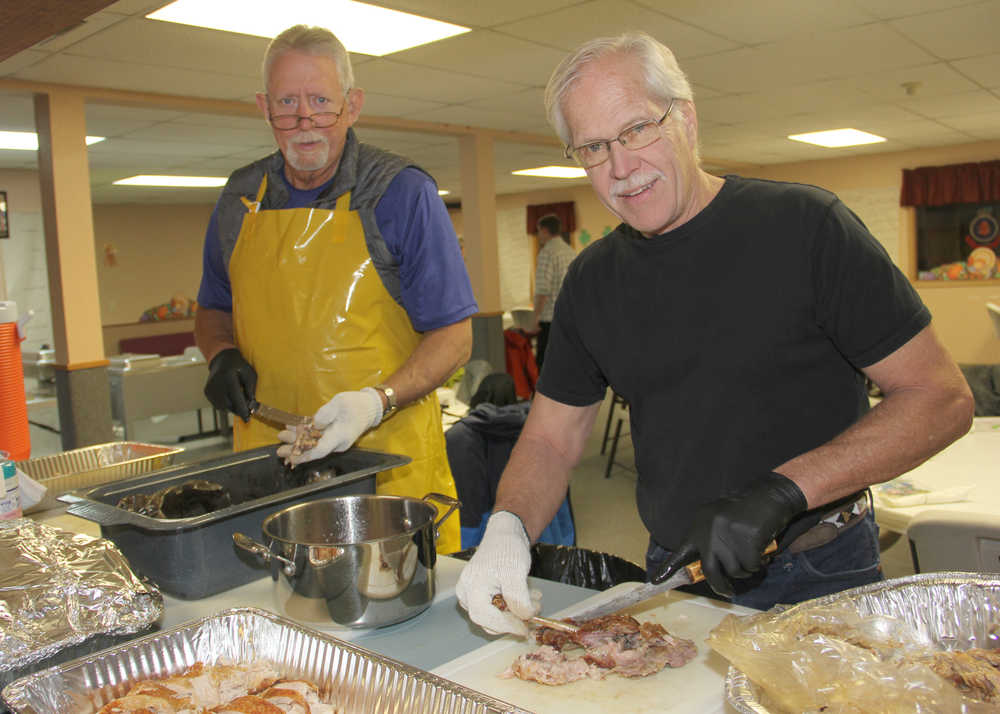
(959, 241)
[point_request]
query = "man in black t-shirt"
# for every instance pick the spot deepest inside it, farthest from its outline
(739, 319)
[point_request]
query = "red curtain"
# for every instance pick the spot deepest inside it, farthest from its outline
(566, 212)
(958, 183)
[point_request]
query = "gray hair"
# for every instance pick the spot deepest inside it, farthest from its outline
(663, 76)
(314, 41)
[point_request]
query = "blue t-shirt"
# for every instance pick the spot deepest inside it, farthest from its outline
(435, 287)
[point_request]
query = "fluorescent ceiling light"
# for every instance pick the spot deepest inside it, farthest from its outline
(363, 28)
(837, 137)
(188, 181)
(553, 172)
(443, 192)
(28, 140)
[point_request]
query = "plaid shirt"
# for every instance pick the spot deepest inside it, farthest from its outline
(553, 262)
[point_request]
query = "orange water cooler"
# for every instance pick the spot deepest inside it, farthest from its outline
(14, 436)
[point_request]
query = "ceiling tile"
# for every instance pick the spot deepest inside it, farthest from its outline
(955, 105)
(486, 53)
(169, 45)
(985, 70)
(472, 116)
(399, 79)
(762, 20)
(94, 23)
(922, 132)
(930, 80)
(889, 9)
(136, 7)
(814, 97)
(88, 71)
(385, 105)
(120, 113)
(119, 146)
(570, 27)
(526, 101)
(806, 59)
(982, 125)
(956, 32)
(476, 14)
(219, 136)
(255, 123)
(21, 60)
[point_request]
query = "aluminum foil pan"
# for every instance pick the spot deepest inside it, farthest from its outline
(955, 611)
(354, 679)
(59, 589)
(93, 465)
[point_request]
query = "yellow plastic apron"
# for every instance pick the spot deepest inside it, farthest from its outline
(313, 317)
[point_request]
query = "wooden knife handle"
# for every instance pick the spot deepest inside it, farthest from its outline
(694, 569)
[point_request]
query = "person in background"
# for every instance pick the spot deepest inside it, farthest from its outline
(333, 283)
(738, 318)
(554, 258)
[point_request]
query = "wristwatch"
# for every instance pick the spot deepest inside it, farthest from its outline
(390, 400)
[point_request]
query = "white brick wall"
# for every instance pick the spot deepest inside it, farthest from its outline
(26, 276)
(514, 248)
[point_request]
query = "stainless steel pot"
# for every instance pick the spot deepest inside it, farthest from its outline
(352, 561)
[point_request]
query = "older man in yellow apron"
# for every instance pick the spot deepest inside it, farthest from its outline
(333, 282)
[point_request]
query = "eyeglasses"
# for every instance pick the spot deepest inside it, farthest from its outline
(634, 138)
(320, 120)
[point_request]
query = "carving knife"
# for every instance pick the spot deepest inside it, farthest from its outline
(273, 414)
(687, 575)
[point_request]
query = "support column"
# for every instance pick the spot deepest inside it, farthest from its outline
(479, 229)
(64, 176)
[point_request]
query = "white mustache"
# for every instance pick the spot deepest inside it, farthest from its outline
(630, 184)
(308, 136)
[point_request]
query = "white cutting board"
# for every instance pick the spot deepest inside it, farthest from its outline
(698, 687)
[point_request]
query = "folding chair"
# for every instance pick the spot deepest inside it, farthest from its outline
(943, 540)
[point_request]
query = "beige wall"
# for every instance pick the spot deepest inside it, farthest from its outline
(158, 250)
(870, 185)
(158, 247)
(959, 311)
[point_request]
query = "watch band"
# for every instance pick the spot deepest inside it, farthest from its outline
(390, 400)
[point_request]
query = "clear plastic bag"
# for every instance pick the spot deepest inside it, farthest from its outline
(838, 661)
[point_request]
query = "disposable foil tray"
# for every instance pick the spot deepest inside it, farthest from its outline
(955, 611)
(354, 679)
(194, 557)
(93, 465)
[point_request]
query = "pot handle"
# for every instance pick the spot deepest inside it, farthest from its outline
(251, 546)
(453, 505)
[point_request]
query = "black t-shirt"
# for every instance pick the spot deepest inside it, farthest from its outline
(736, 338)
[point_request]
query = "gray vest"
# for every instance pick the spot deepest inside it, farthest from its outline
(364, 170)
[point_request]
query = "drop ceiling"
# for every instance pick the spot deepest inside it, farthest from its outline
(922, 73)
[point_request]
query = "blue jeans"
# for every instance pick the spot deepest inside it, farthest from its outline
(850, 560)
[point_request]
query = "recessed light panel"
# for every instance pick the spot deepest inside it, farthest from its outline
(174, 181)
(566, 172)
(28, 140)
(363, 28)
(837, 137)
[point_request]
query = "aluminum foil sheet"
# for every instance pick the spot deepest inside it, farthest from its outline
(354, 680)
(58, 589)
(953, 611)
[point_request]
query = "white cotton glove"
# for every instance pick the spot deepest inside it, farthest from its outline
(342, 420)
(500, 565)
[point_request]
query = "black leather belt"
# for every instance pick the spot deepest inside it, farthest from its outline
(832, 524)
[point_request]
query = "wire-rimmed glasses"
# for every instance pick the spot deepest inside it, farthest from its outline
(320, 120)
(638, 136)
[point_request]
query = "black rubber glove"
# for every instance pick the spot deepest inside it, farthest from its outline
(231, 383)
(730, 534)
